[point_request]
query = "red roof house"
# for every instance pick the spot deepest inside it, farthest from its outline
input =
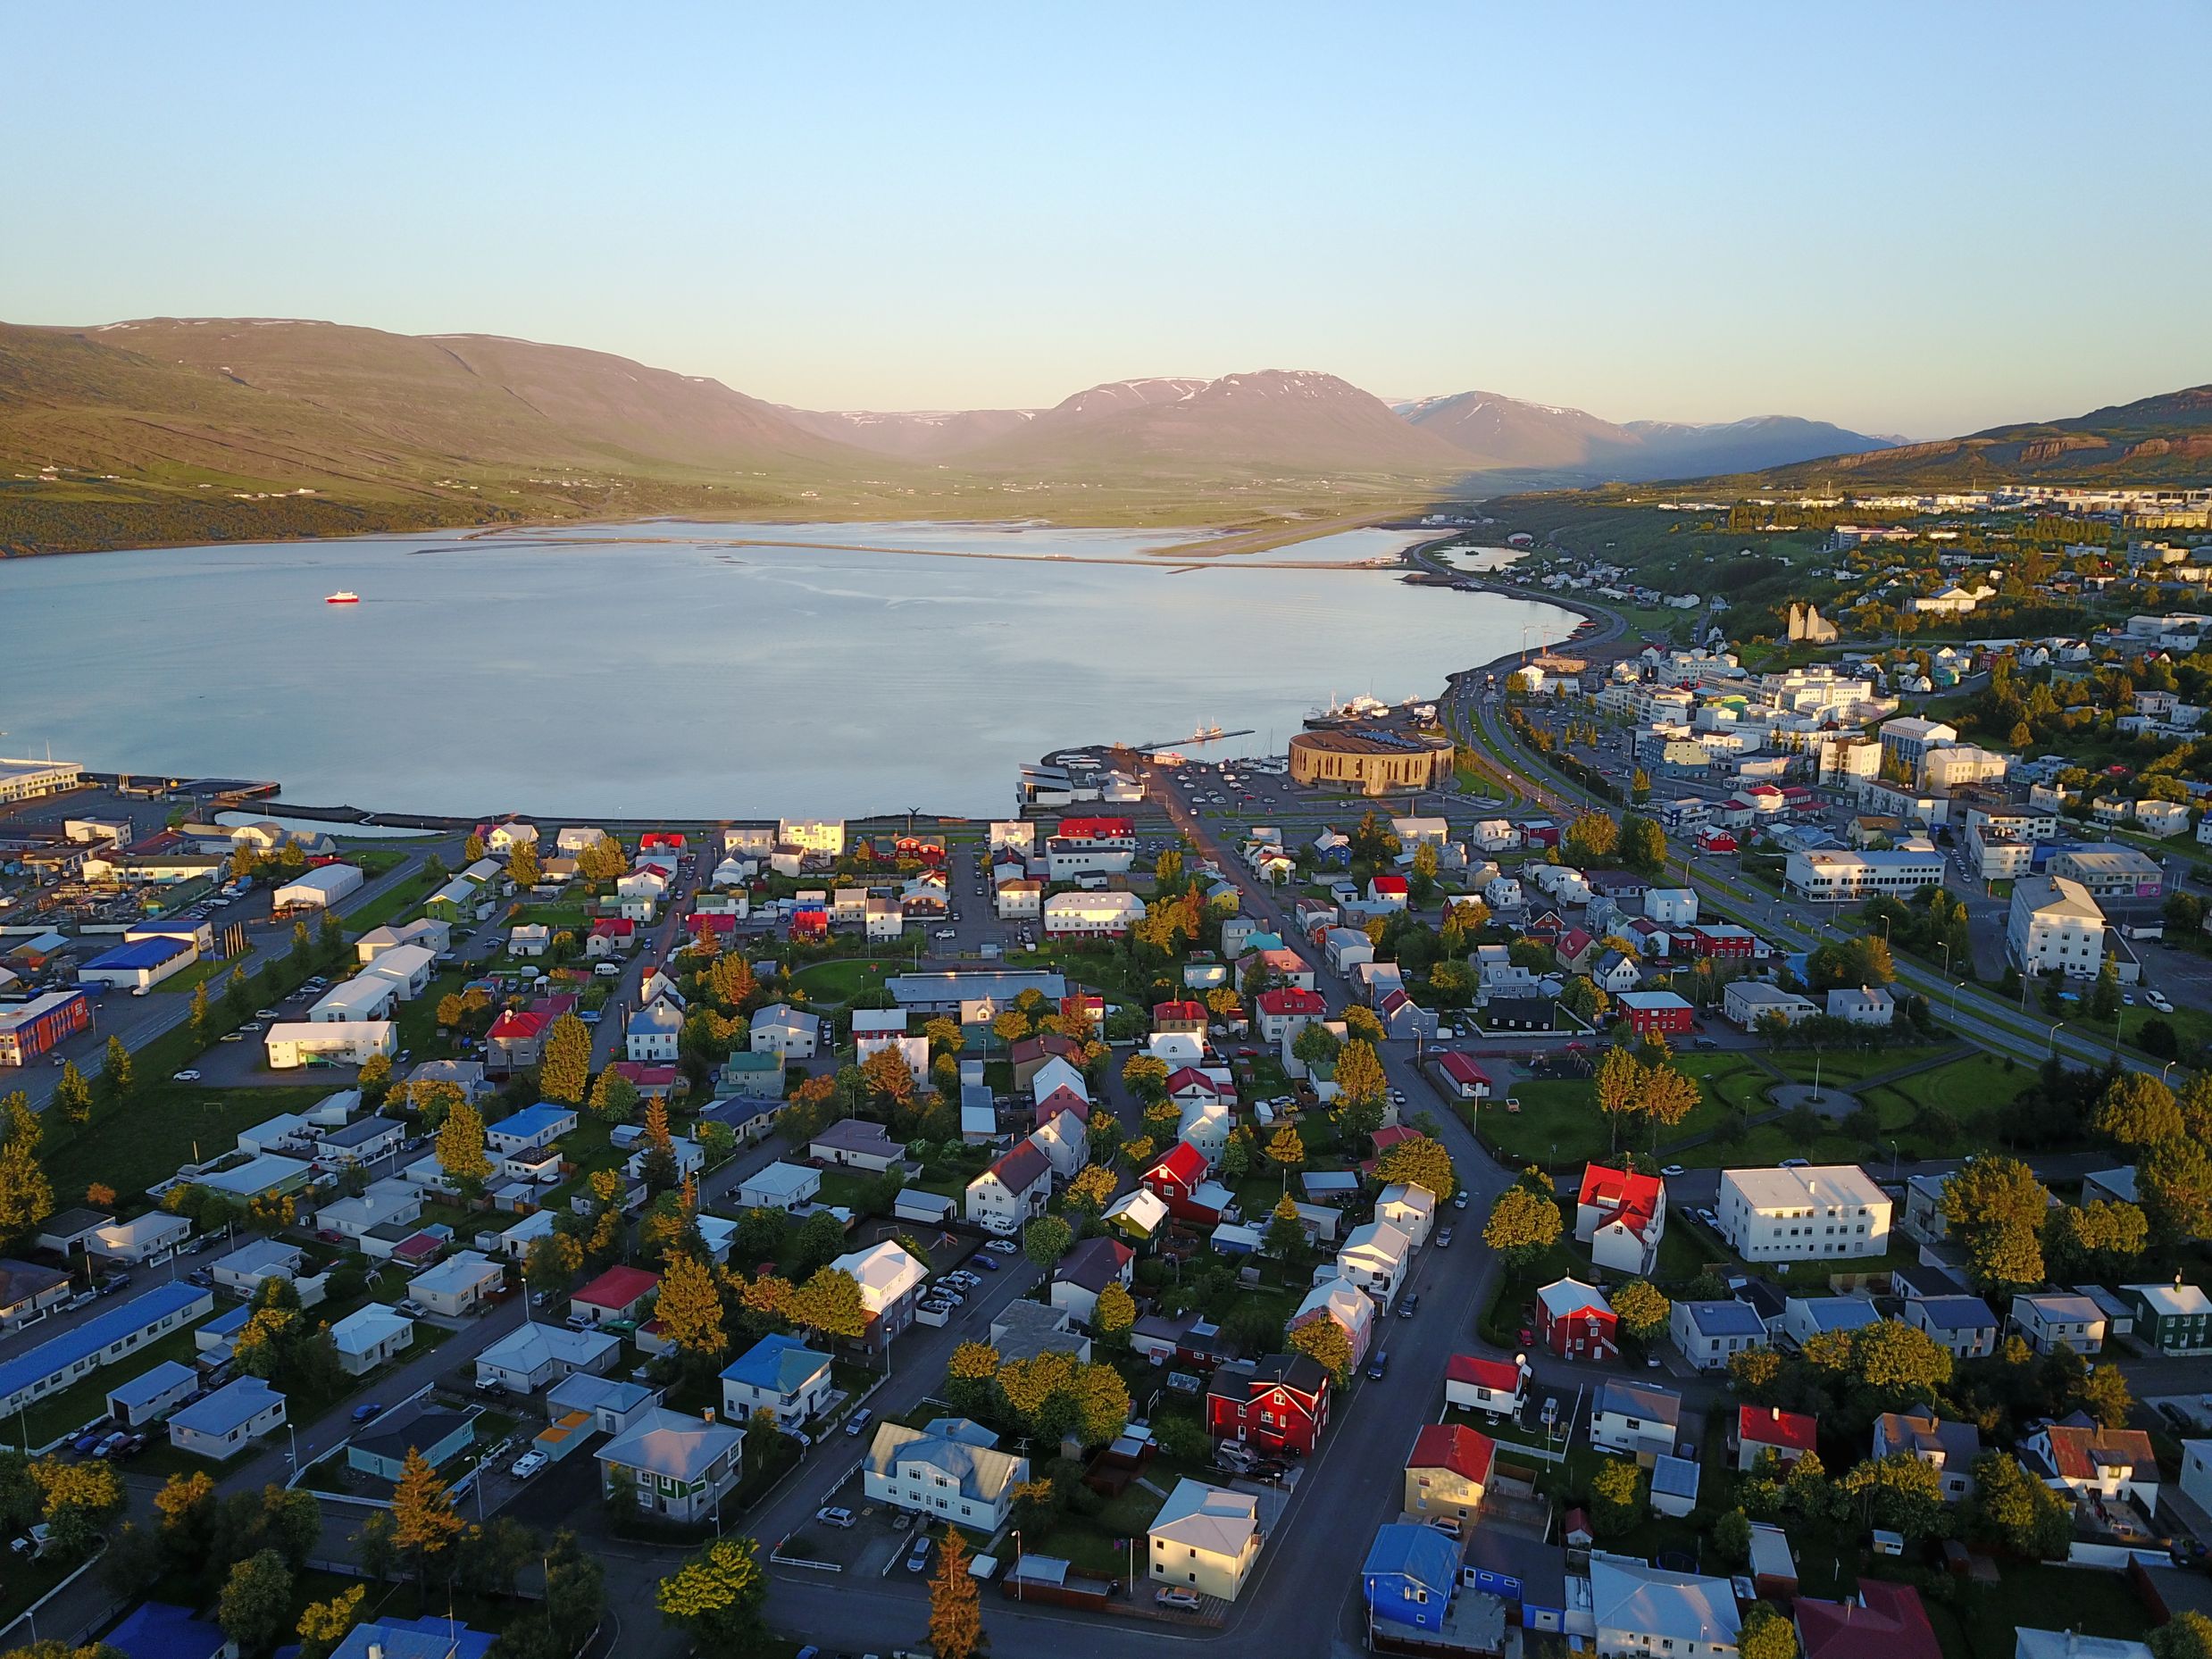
(652, 1083)
(1096, 829)
(720, 922)
(1463, 1077)
(1179, 1016)
(1576, 1321)
(1622, 1216)
(1062, 1099)
(1175, 1175)
(619, 1293)
(1284, 1009)
(1573, 947)
(1476, 1384)
(1279, 1402)
(1763, 1429)
(1090, 1004)
(671, 840)
(1887, 1618)
(1447, 1469)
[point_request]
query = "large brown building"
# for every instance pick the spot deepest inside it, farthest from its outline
(1373, 763)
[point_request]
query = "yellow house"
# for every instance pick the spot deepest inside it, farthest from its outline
(1447, 1471)
(1206, 1539)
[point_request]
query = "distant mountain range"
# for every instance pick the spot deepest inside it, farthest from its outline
(167, 428)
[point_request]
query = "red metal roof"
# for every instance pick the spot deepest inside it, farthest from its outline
(1503, 1376)
(1770, 1425)
(1181, 1162)
(1623, 1196)
(1461, 1069)
(1291, 999)
(1096, 829)
(1391, 884)
(517, 1025)
(1465, 1452)
(1179, 1011)
(614, 928)
(1893, 1623)
(618, 1288)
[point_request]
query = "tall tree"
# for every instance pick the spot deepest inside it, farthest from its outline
(1361, 1082)
(461, 1146)
(200, 1016)
(25, 1195)
(256, 1603)
(1524, 1224)
(690, 1308)
(1619, 1084)
(423, 1523)
(717, 1597)
(73, 1096)
(1995, 1207)
(564, 1069)
(2137, 1110)
(955, 1616)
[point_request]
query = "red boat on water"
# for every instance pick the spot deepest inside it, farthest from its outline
(344, 595)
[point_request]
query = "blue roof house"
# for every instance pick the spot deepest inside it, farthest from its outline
(159, 1629)
(412, 1638)
(779, 1374)
(530, 1128)
(1410, 1575)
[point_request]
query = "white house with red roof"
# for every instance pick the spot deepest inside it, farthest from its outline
(619, 1293)
(1187, 1085)
(1012, 1191)
(1062, 1101)
(610, 935)
(1390, 892)
(1462, 1076)
(1091, 915)
(1286, 1010)
(1764, 1429)
(1176, 1176)
(1622, 1216)
(1079, 847)
(1188, 1016)
(1476, 1384)
(1576, 949)
(2084, 1457)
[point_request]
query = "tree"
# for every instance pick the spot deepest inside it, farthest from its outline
(955, 1618)
(1669, 1097)
(257, 1601)
(1642, 845)
(73, 1096)
(689, 1309)
(2012, 1508)
(613, 1097)
(423, 1523)
(1363, 1023)
(1616, 1497)
(2104, 1395)
(25, 1195)
(1361, 1082)
(375, 1548)
(1322, 1340)
(1092, 1188)
(322, 1624)
(1315, 1044)
(2099, 1237)
(717, 1595)
(1373, 841)
(830, 1303)
(1523, 1225)
(1285, 1239)
(1642, 1309)
(460, 1145)
(2173, 1182)
(1115, 1310)
(2188, 1635)
(1144, 1076)
(658, 1168)
(522, 868)
(1766, 1635)
(1900, 1492)
(1731, 1538)
(1422, 1160)
(1287, 1147)
(1619, 1082)
(1995, 1207)
(1046, 1239)
(2103, 1000)
(565, 1070)
(1590, 838)
(2137, 1110)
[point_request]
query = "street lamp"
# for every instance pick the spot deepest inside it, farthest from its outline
(1017, 1563)
(2053, 1038)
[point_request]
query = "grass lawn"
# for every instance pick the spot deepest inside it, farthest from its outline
(199, 973)
(145, 1139)
(1848, 1065)
(1099, 1544)
(390, 907)
(842, 980)
(1564, 1114)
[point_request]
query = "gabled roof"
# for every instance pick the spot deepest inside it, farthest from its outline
(1923, 1432)
(1290, 999)
(1887, 1618)
(1182, 1163)
(1770, 1425)
(1022, 1167)
(1724, 1319)
(1564, 1297)
(1419, 1553)
(674, 1445)
(778, 1364)
(1465, 1452)
(1644, 1400)
(1210, 1518)
(1633, 1597)
(1094, 1264)
(1501, 1376)
(1623, 1196)
(2082, 1450)
(618, 1288)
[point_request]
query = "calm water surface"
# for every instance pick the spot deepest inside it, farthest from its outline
(657, 669)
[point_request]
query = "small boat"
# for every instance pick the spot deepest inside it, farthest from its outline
(344, 595)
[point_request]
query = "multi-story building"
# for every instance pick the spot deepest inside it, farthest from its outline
(2109, 871)
(2055, 926)
(1825, 1211)
(1832, 874)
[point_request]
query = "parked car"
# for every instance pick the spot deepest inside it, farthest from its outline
(986, 1263)
(1408, 1305)
(918, 1557)
(368, 1411)
(835, 1515)
(1460, 1199)
(859, 1421)
(2158, 1000)
(1377, 1365)
(189, 1075)
(1444, 1240)
(1000, 1246)
(1174, 1596)
(111, 1283)
(528, 1465)
(491, 1385)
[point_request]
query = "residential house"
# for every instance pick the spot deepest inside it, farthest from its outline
(782, 1029)
(2080, 1455)
(1447, 1473)
(1284, 1010)
(1964, 1325)
(1375, 1257)
(1462, 1077)
(1637, 1419)
(1576, 1321)
(369, 1336)
(619, 1293)
(1275, 1403)
(1640, 1610)
(651, 1035)
(1088, 1270)
(1352, 1308)
(224, 1423)
(1409, 1577)
(1803, 1318)
(1525, 1573)
(1656, 1014)
(1012, 1191)
(890, 1283)
(461, 1284)
(680, 1467)
(1949, 1447)
(2173, 1319)
(536, 1355)
(1204, 1538)
(2052, 1319)
(1495, 1387)
(1408, 1206)
(1882, 1619)
(780, 1375)
(952, 1470)
(1710, 1334)
(1863, 1005)
(1622, 1216)
(859, 1143)
(1764, 1429)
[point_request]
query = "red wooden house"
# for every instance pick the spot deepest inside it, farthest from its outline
(1176, 1177)
(1280, 1404)
(1576, 1321)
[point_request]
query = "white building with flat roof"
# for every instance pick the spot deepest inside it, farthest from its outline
(1819, 1212)
(1833, 873)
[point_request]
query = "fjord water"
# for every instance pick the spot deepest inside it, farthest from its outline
(655, 668)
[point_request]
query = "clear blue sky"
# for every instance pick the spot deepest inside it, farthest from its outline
(1907, 218)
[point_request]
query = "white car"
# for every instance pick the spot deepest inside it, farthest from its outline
(835, 1515)
(2158, 999)
(1001, 1246)
(186, 1076)
(946, 933)
(528, 1465)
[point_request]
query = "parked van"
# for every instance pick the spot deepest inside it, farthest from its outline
(1379, 1365)
(609, 970)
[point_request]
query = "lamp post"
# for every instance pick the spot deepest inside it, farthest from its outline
(1017, 1563)
(2053, 1038)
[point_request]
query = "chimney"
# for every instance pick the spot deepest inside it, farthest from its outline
(707, 1414)
(1776, 1410)
(376, 1650)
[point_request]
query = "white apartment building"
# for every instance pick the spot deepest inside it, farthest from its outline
(1822, 1212)
(1095, 915)
(2055, 926)
(822, 835)
(1831, 873)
